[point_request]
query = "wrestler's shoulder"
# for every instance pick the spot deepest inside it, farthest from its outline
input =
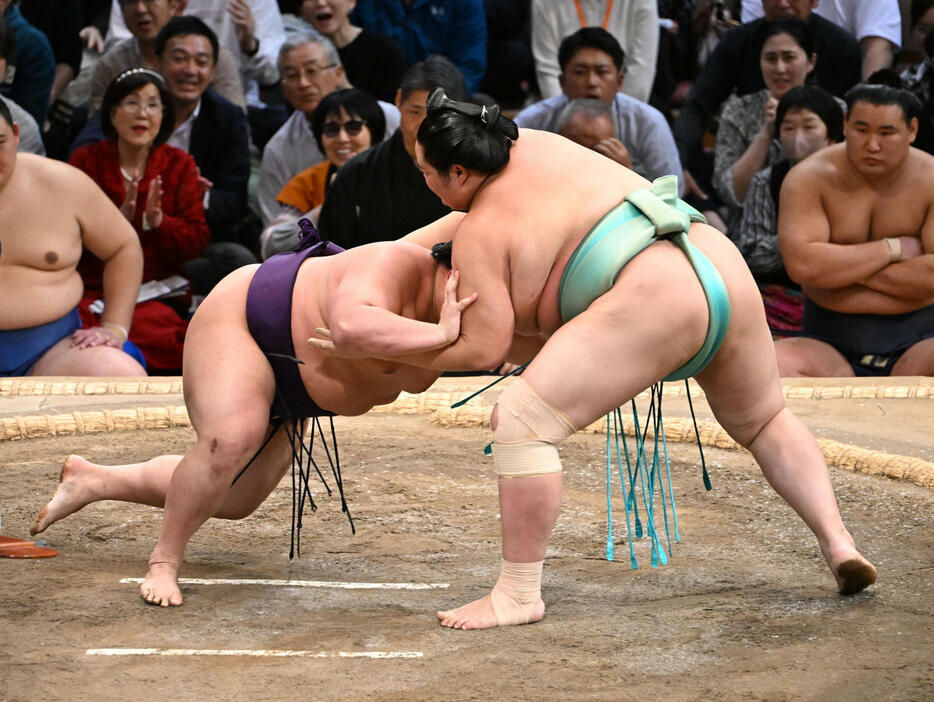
(51, 172)
(921, 162)
(820, 167)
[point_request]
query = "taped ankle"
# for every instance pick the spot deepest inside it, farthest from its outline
(517, 592)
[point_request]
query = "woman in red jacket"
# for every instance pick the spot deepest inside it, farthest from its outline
(156, 187)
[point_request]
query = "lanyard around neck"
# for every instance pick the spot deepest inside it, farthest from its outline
(606, 16)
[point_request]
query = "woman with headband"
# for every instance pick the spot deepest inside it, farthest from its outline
(156, 188)
(628, 286)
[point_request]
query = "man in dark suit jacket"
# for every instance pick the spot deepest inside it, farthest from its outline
(213, 130)
(734, 65)
(210, 128)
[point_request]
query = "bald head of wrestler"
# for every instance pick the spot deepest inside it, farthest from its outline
(50, 213)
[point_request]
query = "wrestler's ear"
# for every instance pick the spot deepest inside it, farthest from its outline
(912, 130)
(458, 173)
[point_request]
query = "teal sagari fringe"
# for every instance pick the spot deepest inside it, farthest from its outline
(647, 476)
(644, 477)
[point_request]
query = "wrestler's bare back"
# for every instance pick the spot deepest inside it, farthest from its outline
(345, 386)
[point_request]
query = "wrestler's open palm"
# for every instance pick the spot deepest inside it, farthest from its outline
(450, 317)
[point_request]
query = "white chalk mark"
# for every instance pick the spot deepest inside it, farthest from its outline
(301, 583)
(249, 652)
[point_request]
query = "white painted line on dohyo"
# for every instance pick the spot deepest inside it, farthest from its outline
(301, 583)
(249, 652)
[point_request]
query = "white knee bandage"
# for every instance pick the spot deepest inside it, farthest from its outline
(527, 429)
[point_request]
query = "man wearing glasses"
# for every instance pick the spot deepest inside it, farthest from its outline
(144, 19)
(310, 69)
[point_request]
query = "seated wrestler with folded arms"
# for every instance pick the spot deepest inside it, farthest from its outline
(856, 230)
(248, 368)
(49, 213)
(627, 286)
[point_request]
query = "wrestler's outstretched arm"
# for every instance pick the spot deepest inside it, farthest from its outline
(365, 317)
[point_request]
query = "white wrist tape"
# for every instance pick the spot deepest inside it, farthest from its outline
(895, 248)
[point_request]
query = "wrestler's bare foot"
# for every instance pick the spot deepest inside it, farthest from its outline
(74, 491)
(160, 587)
(479, 614)
(852, 572)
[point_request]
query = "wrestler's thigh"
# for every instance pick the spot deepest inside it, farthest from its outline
(741, 383)
(64, 359)
(228, 382)
(917, 360)
(629, 338)
(801, 356)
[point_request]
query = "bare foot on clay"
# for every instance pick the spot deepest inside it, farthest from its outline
(852, 572)
(480, 614)
(854, 575)
(73, 492)
(160, 587)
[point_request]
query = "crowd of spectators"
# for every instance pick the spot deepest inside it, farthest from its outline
(211, 126)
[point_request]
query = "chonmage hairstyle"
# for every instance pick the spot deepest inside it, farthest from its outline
(880, 90)
(478, 137)
(129, 82)
(442, 252)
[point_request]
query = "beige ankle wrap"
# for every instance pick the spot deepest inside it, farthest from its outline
(517, 591)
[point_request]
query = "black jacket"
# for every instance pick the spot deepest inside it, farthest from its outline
(378, 195)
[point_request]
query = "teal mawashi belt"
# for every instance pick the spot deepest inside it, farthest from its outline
(644, 217)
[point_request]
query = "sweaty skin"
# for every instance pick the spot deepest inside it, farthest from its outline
(229, 388)
(655, 318)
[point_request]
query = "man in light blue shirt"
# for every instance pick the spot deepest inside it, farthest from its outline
(591, 62)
